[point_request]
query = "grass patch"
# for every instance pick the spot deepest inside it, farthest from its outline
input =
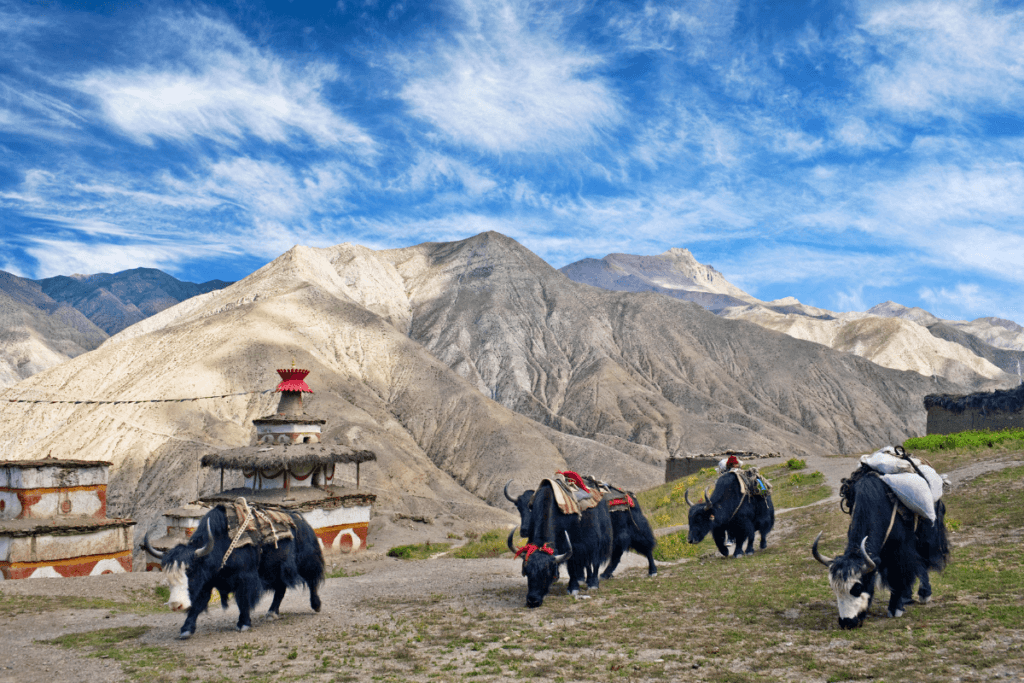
(142, 602)
(974, 440)
(339, 572)
(139, 662)
(418, 551)
(490, 544)
(664, 505)
(675, 547)
(791, 489)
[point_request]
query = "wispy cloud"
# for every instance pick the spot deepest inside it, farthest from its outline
(208, 81)
(944, 57)
(508, 80)
(66, 256)
(959, 297)
(436, 172)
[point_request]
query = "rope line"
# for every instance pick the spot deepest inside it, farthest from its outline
(132, 402)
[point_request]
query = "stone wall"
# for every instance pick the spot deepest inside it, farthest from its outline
(943, 421)
(991, 410)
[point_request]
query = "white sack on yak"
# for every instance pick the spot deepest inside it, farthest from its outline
(916, 493)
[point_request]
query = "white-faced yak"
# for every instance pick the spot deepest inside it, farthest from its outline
(195, 568)
(886, 544)
(731, 511)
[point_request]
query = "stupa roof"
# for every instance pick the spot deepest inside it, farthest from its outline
(54, 462)
(284, 455)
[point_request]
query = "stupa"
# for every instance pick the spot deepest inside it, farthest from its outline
(53, 521)
(289, 467)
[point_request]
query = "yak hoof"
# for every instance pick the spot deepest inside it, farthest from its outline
(924, 599)
(899, 613)
(185, 635)
(243, 628)
(272, 616)
(606, 576)
(574, 592)
(652, 575)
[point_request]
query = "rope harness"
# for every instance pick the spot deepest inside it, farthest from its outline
(254, 520)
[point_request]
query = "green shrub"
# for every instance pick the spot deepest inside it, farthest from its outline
(795, 464)
(417, 551)
(490, 544)
(969, 440)
(801, 479)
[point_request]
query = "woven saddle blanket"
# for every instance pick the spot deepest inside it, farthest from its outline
(266, 526)
(570, 496)
(752, 483)
(619, 500)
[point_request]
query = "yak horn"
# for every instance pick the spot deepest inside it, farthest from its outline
(686, 497)
(559, 559)
(510, 498)
(510, 546)
(150, 549)
(869, 564)
(827, 561)
(208, 548)
(707, 496)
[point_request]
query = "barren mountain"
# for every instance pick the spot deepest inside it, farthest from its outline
(995, 332)
(113, 301)
(461, 365)
(892, 342)
(889, 334)
(37, 332)
(675, 273)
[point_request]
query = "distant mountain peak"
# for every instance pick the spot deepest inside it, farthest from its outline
(674, 272)
(891, 309)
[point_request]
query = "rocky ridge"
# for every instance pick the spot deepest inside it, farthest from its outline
(888, 334)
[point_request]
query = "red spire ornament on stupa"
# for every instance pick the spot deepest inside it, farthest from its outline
(292, 386)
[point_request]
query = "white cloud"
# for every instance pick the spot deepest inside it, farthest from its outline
(432, 171)
(62, 257)
(851, 300)
(961, 297)
(506, 82)
(944, 57)
(853, 132)
(771, 263)
(216, 85)
(272, 191)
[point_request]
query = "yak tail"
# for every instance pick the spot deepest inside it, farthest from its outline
(935, 549)
(309, 557)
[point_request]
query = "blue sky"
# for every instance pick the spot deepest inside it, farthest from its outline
(844, 153)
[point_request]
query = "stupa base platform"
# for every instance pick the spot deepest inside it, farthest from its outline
(61, 548)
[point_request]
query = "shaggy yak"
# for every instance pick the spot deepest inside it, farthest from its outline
(886, 544)
(731, 512)
(195, 568)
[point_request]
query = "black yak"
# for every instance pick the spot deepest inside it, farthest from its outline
(886, 544)
(581, 541)
(731, 511)
(195, 568)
